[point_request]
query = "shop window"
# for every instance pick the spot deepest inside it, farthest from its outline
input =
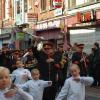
(43, 5)
(71, 3)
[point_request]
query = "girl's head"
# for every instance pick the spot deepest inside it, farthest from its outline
(35, 74)
(19, 64)
(5, 80)
(75, 71)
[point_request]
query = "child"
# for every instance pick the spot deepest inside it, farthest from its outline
(6, 93)
(20, 75)
(36, 86)
(74, 87)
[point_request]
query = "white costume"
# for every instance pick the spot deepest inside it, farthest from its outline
(21, 95)
(74, 90)
(36, 88)
(18, 74)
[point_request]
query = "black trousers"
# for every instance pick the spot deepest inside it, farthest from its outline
(50, 92)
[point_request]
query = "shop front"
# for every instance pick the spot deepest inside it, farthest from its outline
(84, 27)
(51, 30)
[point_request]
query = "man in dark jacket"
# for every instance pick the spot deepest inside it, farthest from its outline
(80, 59)
(96, 64)
(5, 58)
(49, 68)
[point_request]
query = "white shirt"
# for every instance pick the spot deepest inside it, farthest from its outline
(21, 95)
(36, 88)
(18, 75)
(74, 90)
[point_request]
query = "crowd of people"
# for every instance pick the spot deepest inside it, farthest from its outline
(40, 75)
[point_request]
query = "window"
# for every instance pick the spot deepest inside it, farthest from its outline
(71, 3)
(43, 5)
(51, 4)
(74, 3)
(89, 1)
(25, 5)
(18, 7)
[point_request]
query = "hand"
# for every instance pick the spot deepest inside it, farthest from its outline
(10, 93)
(50, 83)
(50, 60)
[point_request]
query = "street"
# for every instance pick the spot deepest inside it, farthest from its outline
(92, 98)
(92, 94)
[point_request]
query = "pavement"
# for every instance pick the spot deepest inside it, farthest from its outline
(93, 93)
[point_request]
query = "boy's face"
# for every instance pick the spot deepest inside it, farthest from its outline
(4, 80)
(35, 75)
(19, 64)
(75, 72)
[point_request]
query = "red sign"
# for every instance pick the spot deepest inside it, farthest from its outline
(57, 3)
(85, 17)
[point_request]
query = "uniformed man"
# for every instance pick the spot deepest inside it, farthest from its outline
(48, 66)
(79, 58)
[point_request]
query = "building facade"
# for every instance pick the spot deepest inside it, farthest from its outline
(83, 22)
(52, 19)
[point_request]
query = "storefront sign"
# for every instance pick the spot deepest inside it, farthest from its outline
(50, 24)
(86, 17)
(32, 17)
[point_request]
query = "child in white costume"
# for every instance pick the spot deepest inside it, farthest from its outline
(36, 86)
(8, 93)
(20, 75)
(74, 87)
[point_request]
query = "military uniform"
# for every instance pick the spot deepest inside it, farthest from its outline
(48, 71)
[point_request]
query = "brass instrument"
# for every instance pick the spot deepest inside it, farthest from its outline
(63, 61)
